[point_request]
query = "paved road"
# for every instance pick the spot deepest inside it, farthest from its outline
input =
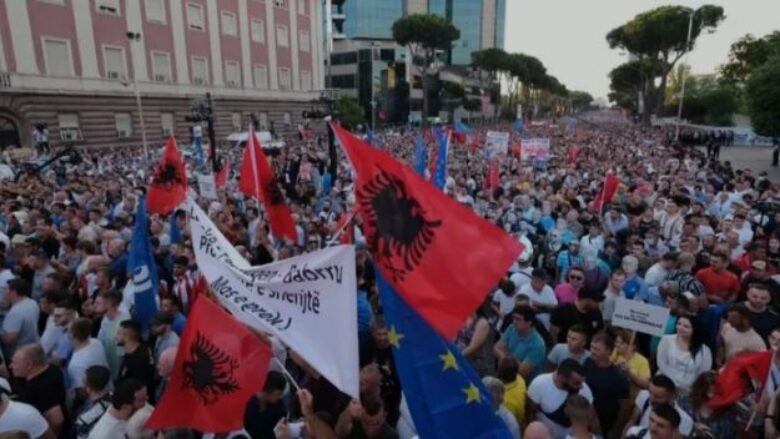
(757, 158)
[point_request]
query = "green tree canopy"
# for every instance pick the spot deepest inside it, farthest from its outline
(660, 36)
(747, 54)
(763, 96)
(580, 99)
(349, 111)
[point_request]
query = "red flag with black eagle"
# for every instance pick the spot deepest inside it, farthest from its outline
(169, 182)
(441, 257)
(741, 376)
(259, 181)
(611, 183)
(219, 365)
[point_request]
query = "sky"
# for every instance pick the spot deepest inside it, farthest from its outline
(568, 36)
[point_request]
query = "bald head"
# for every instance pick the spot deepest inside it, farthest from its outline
(167, 359)
(537, 430)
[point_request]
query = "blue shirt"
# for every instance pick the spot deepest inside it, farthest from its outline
(178, 323)
(565, 261)
(529, 349)
(365, 315)
(636, 286)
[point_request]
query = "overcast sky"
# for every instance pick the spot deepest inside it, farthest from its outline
(568, 36)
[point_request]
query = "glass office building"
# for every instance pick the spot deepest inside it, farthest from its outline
(500, 23)
(372, 19)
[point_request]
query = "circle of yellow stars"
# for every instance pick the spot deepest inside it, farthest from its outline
(448, 362)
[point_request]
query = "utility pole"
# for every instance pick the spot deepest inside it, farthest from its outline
(203, 111)
(684, 77)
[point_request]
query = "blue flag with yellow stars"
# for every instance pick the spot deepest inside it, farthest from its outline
(445, 395)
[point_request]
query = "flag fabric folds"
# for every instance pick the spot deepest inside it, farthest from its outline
(169, 183)
(740, 377)
(219, 365)
(424, 241)
(571, 154)
(420, 155)
(258, 180)
(220, 180)
(461, 132)
(446, 397)
(440, 176)
(611, 183)
(144, 270)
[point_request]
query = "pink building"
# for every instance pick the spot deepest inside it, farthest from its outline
(75, 65)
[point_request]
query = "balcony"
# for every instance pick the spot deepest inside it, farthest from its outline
(5, 80)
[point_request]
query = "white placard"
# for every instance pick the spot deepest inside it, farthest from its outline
(535, 149)
(207, 187)
(496, 142)
(640, 317)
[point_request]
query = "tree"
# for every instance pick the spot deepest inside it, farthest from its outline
(747, 54)
(424, 35)
(763, 94)
(660, 36)
(580, 100)
(707, 101)
(349, 111)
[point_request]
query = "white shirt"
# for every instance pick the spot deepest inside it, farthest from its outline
(593, 244)
(655, 275)
(19, 416)
(505, 303)
(108, 426)
(548, 397)
(93, 354)
(679, 366)
(545, 297)
(686, 423)
(521, 277)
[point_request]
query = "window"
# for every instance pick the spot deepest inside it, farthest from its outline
(232, 74)
(228, 23)
(195, 16)
(161, 66)
(155, 11)
(69, 126)
(262, 121)
(258, 30)
(287, 119)
(281, 4)
(110, 7)
(260, 76)
(56, 56)
(284, 78)
(304, 41)
(200, 70)
(305, 80)
(235, 120)
(282, 40)
(124, 125)
(114, 59)
(302, 7)
(166, 122)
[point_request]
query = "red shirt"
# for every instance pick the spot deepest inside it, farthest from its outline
(724, 284)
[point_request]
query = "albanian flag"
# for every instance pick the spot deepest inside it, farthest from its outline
(258, 180)
(611, 183)
(740, 377)
(219, 365)
(169, 183)
(222, 176)
(437, 254)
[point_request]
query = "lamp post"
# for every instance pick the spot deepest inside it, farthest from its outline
(136, 37)
(684, 77)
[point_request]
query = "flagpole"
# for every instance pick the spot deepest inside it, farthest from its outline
(255, 173)
(287, 374)
(341, 229)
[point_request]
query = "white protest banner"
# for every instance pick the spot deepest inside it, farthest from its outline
(207, 187)
(640, 317)
(496, 142)
(308, 301)
(535, 149)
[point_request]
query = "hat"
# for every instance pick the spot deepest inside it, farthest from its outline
(18, 239)
(162, 319)
(759, 265)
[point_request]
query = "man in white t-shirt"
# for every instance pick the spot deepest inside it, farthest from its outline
(128, 397)
(541, 296)
(661, 391)
(20, 417)
(664, 424)
(504, 300)
(548, 393)
(87, 352)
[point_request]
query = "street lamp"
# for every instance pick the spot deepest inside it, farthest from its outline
(684, 77)
(135, 37)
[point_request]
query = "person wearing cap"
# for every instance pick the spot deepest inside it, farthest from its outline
(161, 326)
(20, 325)
(17, 416)
(541, 295)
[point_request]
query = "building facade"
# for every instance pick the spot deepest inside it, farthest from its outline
(76, 66)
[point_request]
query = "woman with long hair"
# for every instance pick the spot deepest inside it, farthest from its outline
(684, 356)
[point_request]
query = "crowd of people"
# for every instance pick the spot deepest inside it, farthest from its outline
(683, 231)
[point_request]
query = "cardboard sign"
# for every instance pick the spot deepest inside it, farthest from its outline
(207, 187)
(496, 142)
(535, 149)
(640, 317)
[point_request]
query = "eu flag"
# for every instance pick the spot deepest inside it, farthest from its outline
(420, 155)
(143, 269)
(440, 176)
(446, 397)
